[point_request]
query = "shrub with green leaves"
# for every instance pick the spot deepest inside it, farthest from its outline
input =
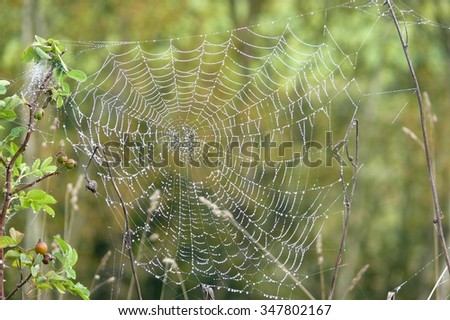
(48, 87)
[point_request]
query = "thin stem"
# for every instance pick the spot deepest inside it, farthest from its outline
(436, 244)
(320, 260)
(100, 267)
(101, 284)
(355, 280)
(127, 230)
(437, 209)
(348, 198)
(18, 286)
(32, 183)
(150, 211)
(438, 282)
(163, 288)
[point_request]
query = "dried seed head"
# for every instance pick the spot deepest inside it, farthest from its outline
(154, 236)
(48, 257)
(71, 163)
(92, 186)
(61, 157)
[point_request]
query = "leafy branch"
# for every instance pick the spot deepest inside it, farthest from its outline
(48, 87)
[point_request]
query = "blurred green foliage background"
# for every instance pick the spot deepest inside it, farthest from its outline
(391, 225)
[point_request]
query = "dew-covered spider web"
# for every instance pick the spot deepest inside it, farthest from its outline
(226, 148)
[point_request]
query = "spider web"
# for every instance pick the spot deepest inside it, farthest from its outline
(243, 219)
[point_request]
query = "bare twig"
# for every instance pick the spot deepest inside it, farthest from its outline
(32, 183)
(437, 209)
(128, 239)
(18, 286)
(348, 198)
(432, 119)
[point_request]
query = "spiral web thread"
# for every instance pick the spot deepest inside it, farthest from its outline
(245, 229)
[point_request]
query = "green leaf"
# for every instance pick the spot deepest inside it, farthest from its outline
(7, 241)
(38, 173)
(62, 66)
(38, 169)
(56, 47)
(40, 40)
(40, 196)
(12, 102)
(7, 108)
(36, 164)
(38, 199)
(65, 247)
(16, 235)
(71, 274)
(80, 290)
(3, 85)
(20, 170)
(59, 101)
(8, 115)
(46, 167)
(40, 279)
(49, 169)
(59, 286)
(59, 256)
(38, 259)
(53, 276)
(42, 54)
(43, 285)
(12, 254)
(45, 48)
(72, 257)
(48, 209)
(35, 270)
(77, 75)
(28, 55)
(65, 89)
(14, 133)
(13, 148)
(46, 162)
(25, 259)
